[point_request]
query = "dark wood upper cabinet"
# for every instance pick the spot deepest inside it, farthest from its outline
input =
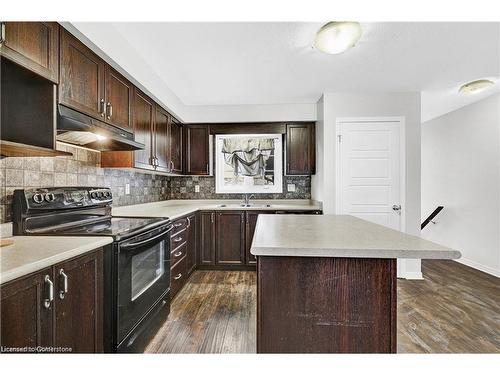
(162, 139)
(33, 45)
(81, 84)
(206, 248)
(144, 109)
(79, 302)
(300, 149)
(26, 320)
(119, 96)
(58, 306)
(196, 148)
(230, 238)
(176, 147)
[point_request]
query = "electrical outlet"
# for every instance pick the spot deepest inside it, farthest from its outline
(127, 189)
(196, 188)
(291, 188)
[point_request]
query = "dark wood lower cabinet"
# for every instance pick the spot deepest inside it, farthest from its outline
(26, 321)
(191, 244)
(51, 308)
(326, 305)
(230, 242)
(78, 312)
(206, 242)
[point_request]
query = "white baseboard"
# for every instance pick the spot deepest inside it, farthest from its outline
(479, 266)
(410, 275)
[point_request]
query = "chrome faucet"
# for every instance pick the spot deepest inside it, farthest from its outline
(246, 198)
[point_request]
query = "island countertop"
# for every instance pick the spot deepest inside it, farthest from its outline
(341, 236)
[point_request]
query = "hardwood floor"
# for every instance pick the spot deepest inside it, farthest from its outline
(456, 309)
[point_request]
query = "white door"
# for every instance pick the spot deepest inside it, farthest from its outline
(369, 171)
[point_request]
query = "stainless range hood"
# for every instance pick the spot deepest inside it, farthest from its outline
(82, 130)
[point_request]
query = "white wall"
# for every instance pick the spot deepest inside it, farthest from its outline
(335, 105)
(461, 171)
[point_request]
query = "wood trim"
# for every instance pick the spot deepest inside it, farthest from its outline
(14, 149)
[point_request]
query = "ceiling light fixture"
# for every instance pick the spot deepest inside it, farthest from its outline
(337, 37)
(475, 87)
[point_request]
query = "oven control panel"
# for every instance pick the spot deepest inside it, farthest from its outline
(65, 197)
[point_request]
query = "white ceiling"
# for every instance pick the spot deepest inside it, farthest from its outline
(273, 63)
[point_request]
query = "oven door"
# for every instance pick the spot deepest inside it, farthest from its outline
(143, 276)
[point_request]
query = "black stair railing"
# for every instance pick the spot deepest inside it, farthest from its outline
(431, 216)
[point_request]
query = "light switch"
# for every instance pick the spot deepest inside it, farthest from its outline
(127, 189)
(196, 188)
(291, 188)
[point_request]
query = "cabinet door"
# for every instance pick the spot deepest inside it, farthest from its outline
(197, 149)
(300, 152)
(207, 239)
(230, 237)
(82, 77)
(176, 147)
(162, 141)
(26, 320)
(119, 97)
(34, 45)
(143, 129)
(251, 221)
(191, 244)
(79, 303)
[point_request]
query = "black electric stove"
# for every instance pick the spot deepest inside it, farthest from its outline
(136, 264)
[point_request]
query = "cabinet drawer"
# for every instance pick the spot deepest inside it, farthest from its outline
(178, 253)
(178, 276)
(178, 239)
(179, 225)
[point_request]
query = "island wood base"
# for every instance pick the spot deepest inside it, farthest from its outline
(326, 305)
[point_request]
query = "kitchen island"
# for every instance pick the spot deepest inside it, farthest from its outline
(327, 284)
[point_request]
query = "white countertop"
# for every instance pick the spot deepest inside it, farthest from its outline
(178, 208)
(339, 236)
(33, 253)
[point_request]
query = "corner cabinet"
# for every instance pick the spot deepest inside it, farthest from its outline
(33, 45)
(300, 150)
(60, 306)
(197, 150)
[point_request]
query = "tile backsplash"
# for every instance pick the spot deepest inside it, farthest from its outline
(184, 188)
(83, 169)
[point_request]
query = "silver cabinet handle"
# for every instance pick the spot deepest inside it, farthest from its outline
(208, 170)
(178, 276)
(108, 105)
(2, 33)
(177, 225)
(178, 254)
(189, 222)
(177, 239)
(102, 108)
(47, 301)
(64, 278)
(172, 165)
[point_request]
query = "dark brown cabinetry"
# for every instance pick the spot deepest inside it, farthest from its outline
(251, 221)
(191, 244)
(176, 147)
(33, 45)
(230, 241)
(162, 139)
(82, 78)
(196, 149)
(206, 246)
(26, 320)
(59, 306)
(300, 149)
(119, 98)
(143, 130)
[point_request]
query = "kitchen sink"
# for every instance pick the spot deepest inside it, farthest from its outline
(242, 205)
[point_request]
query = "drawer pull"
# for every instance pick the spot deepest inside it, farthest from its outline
(177, 225)
(178, 254)
(177, 239)
(178, 276)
